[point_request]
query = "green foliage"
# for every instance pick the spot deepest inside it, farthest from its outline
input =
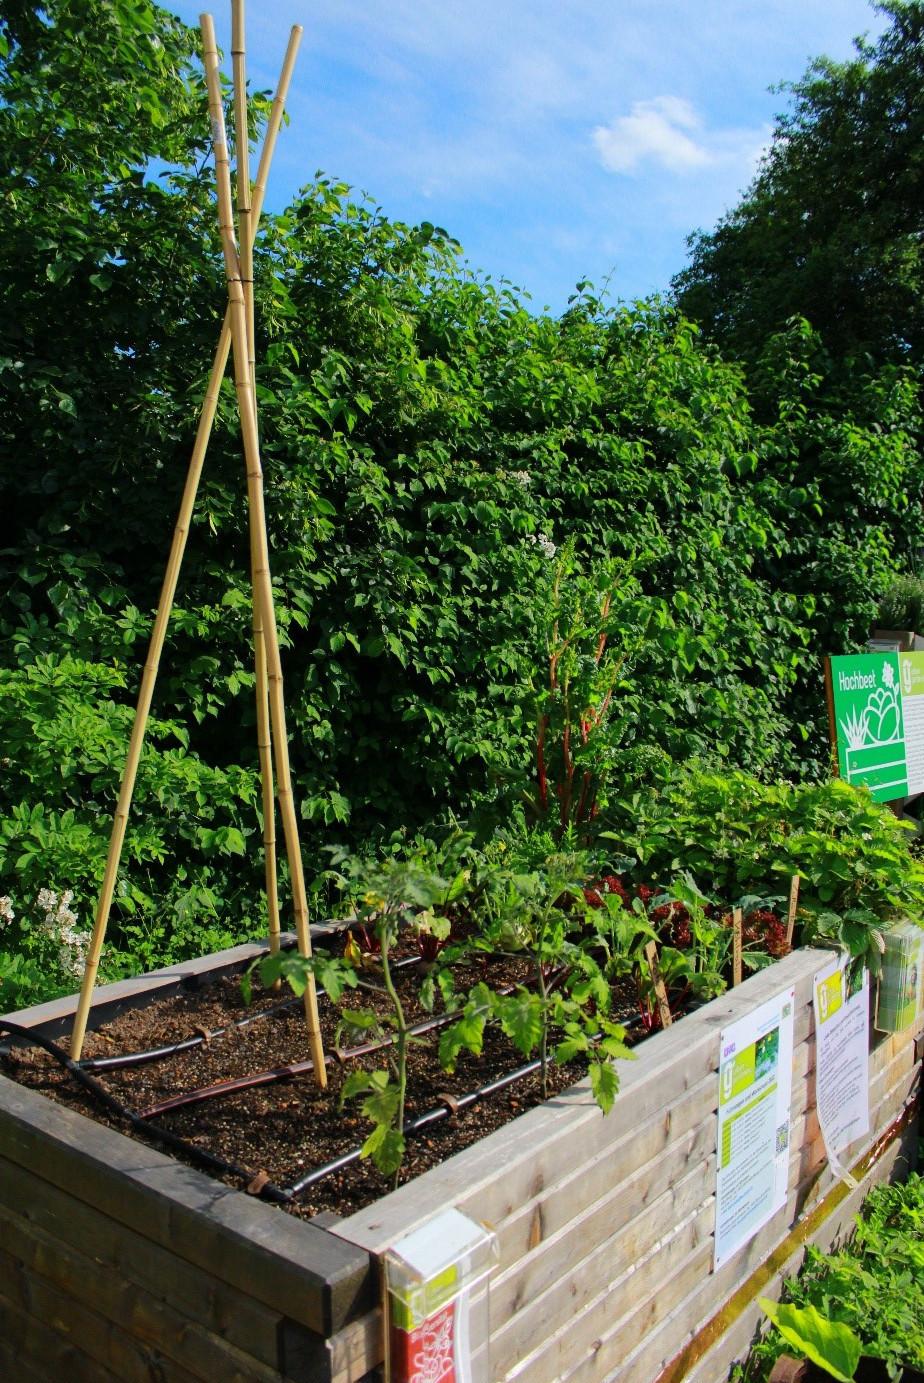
(543, 915)
(66, 738)
(831, 227)
(902, 606)
(588, 703)
(830, 1345)
(872, 1288)
(735, 835)
(401, 893)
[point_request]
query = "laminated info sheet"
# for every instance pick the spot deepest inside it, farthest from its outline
(841, 1059)
(755, 1091)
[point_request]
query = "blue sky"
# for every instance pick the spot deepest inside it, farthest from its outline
(556, 141)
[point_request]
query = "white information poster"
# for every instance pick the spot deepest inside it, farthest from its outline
(841, 1060)
(755, 1091)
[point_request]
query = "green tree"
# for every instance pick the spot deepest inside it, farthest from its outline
(831, 229)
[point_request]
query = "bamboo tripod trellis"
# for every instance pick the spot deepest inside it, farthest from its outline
(237, 334)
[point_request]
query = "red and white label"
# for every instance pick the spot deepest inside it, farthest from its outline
(426, 1354)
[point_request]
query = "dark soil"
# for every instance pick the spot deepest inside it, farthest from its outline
(287, 1128)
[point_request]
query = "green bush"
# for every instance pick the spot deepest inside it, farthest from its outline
(902, 606)
(874, 1284)
(735, 835)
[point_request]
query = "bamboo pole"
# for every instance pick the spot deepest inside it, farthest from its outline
(657, 980)
(264, 590)
(737, 946)
(793, 909)
(242, 173)
(264, 741)
(168, 588)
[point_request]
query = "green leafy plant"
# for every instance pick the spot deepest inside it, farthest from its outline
(541, 916)
(902, 605)
(829, 1344)
(729, 832)
(595, 625)
(399, 897)
(865, 1298)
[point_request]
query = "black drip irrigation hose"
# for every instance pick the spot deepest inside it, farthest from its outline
(431, 1116)
(303, 1068)
(280, 1073)
(211, 1161)
(127, 1059)
(123, 1060)
(452, 1104)
(265, 1190)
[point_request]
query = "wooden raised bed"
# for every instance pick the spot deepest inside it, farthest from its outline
(118, 1263)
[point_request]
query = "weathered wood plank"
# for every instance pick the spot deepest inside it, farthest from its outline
(536, 1218)
(91, 1334)
(222, 1309)
(635, 1205)
(37, 1353)
(550, 1358)
(541, 1143)
(16, 1369)
(530, 1300)
(609, 1342)
(351, 1355)
(613, 1342)
(659, 1156)
(652, 1296)
(620, 1340)
(132, 1309)
(305, 1272)
(686, 1131)
(650, 1357)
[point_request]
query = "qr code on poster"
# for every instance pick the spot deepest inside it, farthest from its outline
(782, 1138)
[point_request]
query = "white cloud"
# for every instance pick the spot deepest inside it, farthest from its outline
(668, 132)
(654, 131)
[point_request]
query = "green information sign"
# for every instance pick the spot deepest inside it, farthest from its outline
(877, 709)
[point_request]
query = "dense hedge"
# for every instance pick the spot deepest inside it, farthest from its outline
(446, 472)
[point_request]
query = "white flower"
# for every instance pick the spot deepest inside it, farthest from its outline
(63, 915)
(47, 899)
(6, 909)
(888, 675)
(72, 951)
(522, 478)
(544, 544)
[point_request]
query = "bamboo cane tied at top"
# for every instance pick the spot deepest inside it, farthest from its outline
(169, 585)
(254, 470)
(261, 682)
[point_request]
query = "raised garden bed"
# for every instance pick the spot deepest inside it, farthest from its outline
(120, 1262)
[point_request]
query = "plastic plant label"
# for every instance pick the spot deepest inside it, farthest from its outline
(437, 1293)
(901, 983)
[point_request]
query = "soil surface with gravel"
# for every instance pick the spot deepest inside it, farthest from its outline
(283, 1130)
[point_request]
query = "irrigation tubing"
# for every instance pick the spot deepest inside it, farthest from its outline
(211, 1161)
(126, 1059)
(431, 1116)
(295, 1068)
(265, 1190)
(451, 1105)
(303, 1068)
